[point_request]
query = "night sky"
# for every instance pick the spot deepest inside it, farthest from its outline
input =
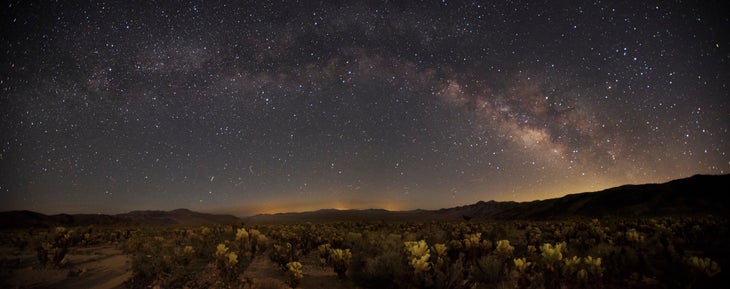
(247, 107)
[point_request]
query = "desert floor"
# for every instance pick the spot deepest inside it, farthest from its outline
(106, 267)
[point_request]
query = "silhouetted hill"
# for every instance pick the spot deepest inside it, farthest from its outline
(25, 219)
(28, 219)
(178, 217)
(481, 209)
(696, 195)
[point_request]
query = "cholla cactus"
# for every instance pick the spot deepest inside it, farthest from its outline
(250, 242)
(294, 274)
(417, 249)
(440, 250)
(421, 264)
(706, 265)
(221, 250)
(521, 264)
(594, 265)
(633, 236)
(419, 255)
(56, 248)
(260, 239)
(227, 264)
(188, 250)
(242, 235)
(583, 269)
(472, 240)
(575, 261)
(582, 275)
(519, 276)
(571, 265)
(184, 255)
(552, 255)
(504, 249)
(340, 260)
(534, 234)
(231, 259)
(61, 231)
(324, 253)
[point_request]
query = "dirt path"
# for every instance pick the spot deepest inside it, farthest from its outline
(99, 267)
(264, 270)
(106, 267)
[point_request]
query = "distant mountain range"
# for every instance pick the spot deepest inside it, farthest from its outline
(181, 217)
(696, 195)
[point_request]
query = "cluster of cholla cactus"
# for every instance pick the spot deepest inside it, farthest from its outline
(582, 271)
(634, 236)
(340, 261)
(324, 254)
(492, 267)
(475, 244)
(174, 258)
(431, 266)
(705, 265)
(233, 261)
(54, 249)
(249, 243)
(504, 249)
(577, 253)
(227, 264)
(294, 274)
(552, 254)
(419, 255)
(283, 254)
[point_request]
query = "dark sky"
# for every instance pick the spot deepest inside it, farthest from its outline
(261, 106)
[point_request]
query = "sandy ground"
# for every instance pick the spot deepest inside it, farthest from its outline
(106, 267)
(263, 270)
(99, 267)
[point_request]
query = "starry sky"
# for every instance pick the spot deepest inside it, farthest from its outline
(249, 107)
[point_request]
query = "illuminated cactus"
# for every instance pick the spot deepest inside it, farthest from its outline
(226, 263)
(340, 260)
(552, 255)
(294, 274)
(704, 265)
(504, 249)
(324, 253)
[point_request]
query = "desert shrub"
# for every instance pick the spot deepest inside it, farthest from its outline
(294, 274)
(340, 261)
(52, 249)
(575, 253)
(284, 253)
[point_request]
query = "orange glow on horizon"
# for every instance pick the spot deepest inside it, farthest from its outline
(547, 191)
(293, 207)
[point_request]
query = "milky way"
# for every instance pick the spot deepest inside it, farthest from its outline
(261, 106)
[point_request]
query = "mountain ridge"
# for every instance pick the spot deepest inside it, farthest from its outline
(695, 195)
(180, 217)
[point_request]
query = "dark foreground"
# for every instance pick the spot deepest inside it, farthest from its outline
(667, 252)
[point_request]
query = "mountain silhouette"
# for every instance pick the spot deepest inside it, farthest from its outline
(698, 195)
